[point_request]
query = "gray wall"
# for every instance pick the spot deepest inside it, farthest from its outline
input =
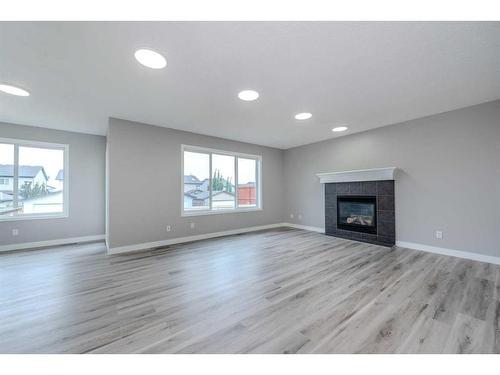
(450, 177)
(145, 184)
(450, 181)
(86, 184)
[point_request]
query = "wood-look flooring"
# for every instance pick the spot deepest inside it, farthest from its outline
(277, 291)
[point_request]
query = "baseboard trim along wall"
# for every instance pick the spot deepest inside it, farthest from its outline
(421, 247)
(198, 237)
(408, 245)
(173, 241)
(449, 252)
(57, 242)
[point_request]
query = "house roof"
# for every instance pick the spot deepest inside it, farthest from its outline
(26, 171)
(216, 193)
(190, 179)
(197, 194)
(60, 175)
(6, 196)
(248, 184)
(201, 194)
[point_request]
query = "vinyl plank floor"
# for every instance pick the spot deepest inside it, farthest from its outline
(277, 291)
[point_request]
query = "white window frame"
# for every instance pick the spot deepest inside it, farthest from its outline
(210, 151)
(53, 146)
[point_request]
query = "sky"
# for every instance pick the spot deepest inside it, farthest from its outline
(198, 165)
(51, 160)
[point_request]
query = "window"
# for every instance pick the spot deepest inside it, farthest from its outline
(217, 181)
(33, 182)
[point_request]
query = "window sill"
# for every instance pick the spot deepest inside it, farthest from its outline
(34, 217)
(219, 212)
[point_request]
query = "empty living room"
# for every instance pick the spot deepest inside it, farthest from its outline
(249, 187)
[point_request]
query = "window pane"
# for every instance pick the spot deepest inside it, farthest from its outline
(41, 180)
(6, 180)
(247, 183)
(196, 182)
(222, 182)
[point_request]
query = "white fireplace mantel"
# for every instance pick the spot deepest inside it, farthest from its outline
(375, 174)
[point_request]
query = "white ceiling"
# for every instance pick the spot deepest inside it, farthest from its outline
(362, 74)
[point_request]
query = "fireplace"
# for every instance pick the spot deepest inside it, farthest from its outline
(357, 213)
(361, 211)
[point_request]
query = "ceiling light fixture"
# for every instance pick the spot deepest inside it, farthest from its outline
(13, 90)
(248, 95)
(340, 129)
(150, 58)
(303, 116)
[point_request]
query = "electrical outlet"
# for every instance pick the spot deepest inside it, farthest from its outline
(15, 232)
(291, 216)
(169, 228)
(193, 225)
(439, 235)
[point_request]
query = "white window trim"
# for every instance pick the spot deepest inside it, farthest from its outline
(37, 144)
(209, 211)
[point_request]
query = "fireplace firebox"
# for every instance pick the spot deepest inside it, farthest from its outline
(357, 213)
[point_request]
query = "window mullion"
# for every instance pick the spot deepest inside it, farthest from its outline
(210, 181)
(236, 204)
(257, 184)
(15, 176)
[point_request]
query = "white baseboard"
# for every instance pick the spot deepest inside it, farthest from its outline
(173, 241)
(305, 227)
(449, 252)
(61, 241)
(148, 245)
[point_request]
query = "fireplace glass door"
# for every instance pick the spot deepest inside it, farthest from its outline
(357, 213)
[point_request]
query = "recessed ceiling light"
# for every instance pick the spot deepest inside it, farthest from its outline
(13, 90)
(303, 116)
(248, 95)
(150, 58)
(340, 129)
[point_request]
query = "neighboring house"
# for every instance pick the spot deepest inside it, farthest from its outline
(58, 183)
(27, 174)
(196, 194)
(198, 198)
(6, 196)
(222, 199)
(191, 183)
(247, 194)
(204, 185)
(195, 198)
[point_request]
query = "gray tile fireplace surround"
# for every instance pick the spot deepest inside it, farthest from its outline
(383, 191)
